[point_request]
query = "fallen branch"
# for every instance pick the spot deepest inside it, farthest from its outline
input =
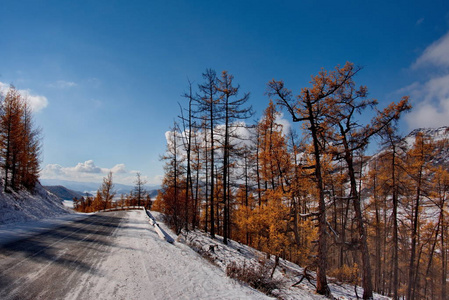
(307, 276)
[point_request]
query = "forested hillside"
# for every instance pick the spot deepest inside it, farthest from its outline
(310, 193)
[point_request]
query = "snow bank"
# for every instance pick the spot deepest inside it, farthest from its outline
(24, 206)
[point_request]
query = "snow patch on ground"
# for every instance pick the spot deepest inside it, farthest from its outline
(68, 203)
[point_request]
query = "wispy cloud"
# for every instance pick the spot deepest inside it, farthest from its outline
(431, 97)
(62, 84)
(89, 172)
(94, 82)
(35, 102)
(435, 55)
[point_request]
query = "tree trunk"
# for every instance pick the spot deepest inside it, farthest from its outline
(366, 266)
(212, 190)
(321, 284)
(225, 174)
(395, 257)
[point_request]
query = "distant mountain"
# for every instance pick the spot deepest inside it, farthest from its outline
(63, 193)
(439, 136)
(92, 187)
(81, 187)
(153, 193)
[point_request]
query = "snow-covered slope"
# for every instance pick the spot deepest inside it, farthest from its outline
(286, 274)
(25, 206)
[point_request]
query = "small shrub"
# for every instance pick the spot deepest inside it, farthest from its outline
(346, 274)
(257, 276)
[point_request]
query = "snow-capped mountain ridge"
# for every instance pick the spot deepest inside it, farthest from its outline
(437, 134)
(440, 136)
(442, 132)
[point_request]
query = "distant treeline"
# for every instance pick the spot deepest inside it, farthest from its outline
(104, 198)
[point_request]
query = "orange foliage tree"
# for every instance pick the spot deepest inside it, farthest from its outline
(19, 143)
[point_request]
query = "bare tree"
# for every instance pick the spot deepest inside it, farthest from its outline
(208, 106)
(140, 192)
(187, 141)
(233, 110)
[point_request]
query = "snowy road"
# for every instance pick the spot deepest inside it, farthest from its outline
(115, 255)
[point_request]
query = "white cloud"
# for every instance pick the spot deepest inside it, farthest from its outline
(435, 55)
(3, 87)
(87, 167)
(119, 169)
(284, 122)
(35, 102)
(429, 116)
(431, 103)
(430, 99)
(89, 172)
(243, 132)
(53, 169)
(157, 179)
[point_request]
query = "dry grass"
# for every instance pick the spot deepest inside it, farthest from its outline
(257, 276)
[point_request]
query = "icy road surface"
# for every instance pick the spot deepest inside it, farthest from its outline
(114, 255)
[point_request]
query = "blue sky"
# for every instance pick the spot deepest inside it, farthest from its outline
(106, 76)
